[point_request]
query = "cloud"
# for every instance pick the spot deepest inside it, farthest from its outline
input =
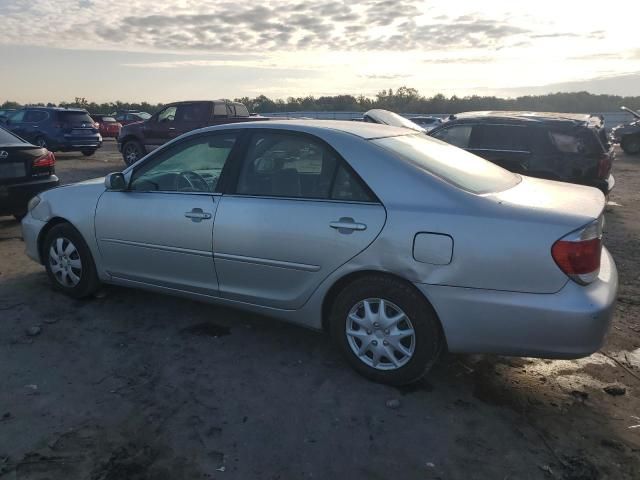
(269, 26)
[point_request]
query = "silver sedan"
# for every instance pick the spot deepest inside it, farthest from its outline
(397, 244)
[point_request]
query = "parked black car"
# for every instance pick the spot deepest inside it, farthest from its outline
(57, 129)
(25, 170)
(138, 139)
(557, 146)
(628, 135)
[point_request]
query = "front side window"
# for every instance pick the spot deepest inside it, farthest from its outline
(454, 165)
(457, 135)
(17, 117)
(193, 165)
(167, 115)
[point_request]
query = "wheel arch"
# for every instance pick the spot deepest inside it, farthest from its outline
(45, 230)
(344, 281)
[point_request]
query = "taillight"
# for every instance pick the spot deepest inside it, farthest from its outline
(47, 160)
(578, 254)
(604, 165)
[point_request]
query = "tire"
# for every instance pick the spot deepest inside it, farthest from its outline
(132, 151)
(399, 298)
(78, 261)
(88, 153)
(40, 141)
(631, 144)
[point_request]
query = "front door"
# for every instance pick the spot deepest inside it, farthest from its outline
(159, 231)
(295, 214)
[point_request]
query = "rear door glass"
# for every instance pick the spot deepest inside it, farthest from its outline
(194, 112)
(457, 135)
(500, 137)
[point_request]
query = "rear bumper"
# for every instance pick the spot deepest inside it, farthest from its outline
(68, 143)
(14, 198)
(571, 323)
(606, 185)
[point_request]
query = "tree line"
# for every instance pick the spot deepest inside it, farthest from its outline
(401, 100)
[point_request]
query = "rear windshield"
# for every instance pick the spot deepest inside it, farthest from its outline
(75, 117)
(8, 139)
(143, 115)
(108, 119)
(454, 165)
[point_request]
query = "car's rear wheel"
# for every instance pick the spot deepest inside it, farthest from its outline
(132, 152)
(88, 153)
(41, 141)
(386, 330)
(631, 145)
(69, 262)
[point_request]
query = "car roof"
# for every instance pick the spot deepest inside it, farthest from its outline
(57, 109)
(363, 130)
(528, 117)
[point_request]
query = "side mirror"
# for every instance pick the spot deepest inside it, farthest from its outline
(115, 182)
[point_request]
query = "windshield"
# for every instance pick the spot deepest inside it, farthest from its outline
(454, 165)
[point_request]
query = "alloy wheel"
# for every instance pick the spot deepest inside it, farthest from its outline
(131, 154)
(65, 262)
(380, 334)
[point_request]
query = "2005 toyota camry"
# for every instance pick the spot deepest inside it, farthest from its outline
(398, 244)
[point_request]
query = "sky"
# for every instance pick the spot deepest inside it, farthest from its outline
(161, 51)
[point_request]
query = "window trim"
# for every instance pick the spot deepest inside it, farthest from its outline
(231, 181)
(167, 146)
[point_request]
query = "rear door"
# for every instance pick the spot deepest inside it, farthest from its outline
(295, 212)
(504, 145)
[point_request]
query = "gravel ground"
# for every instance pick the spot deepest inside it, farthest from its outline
(135, 385)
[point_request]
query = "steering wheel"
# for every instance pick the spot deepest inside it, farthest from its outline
(194, 181)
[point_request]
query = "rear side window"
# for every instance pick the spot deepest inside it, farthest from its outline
(454, 165)
(35, 116)
(500, 137)
(241, 110)
(220, 110)
(584, 142)
(457, 135)
(75, 118)
(285, 165)
(8, 139)
(194, 112)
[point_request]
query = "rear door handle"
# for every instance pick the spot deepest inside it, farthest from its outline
(197, 215)
(347, 225)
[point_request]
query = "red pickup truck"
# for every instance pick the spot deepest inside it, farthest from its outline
(138, 139)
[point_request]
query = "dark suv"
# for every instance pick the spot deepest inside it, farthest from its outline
(556, 146)
(57, 129)
(137, 139)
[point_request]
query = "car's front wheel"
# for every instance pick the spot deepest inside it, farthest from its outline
(88, 153)
(631, 144)
(69, 262)
(132, 152)
(386, 330)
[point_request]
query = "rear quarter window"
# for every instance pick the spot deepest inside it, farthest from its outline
(584, 142)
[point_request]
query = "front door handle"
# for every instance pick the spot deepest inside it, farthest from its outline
(197, 215)
(347, 225)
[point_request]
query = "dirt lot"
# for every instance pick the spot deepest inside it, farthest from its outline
(134, 385)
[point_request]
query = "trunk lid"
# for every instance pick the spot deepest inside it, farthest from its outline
(557, 202)
(16, 162)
